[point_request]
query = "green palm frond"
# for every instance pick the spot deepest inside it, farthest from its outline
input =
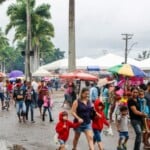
(43, 11)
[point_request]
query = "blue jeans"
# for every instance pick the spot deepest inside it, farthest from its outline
(36, 99)
(29, 104)
(49, 111)
(20, 107)
(137, 125)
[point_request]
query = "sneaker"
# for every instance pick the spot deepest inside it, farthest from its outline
(51, 120)
(119, 148)
(124, 146)
(32, 121)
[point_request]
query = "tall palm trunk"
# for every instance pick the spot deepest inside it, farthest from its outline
(36, 57)
(72, 51)
(28, 44)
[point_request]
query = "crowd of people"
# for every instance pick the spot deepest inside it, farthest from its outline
(92, 107)
(130, 104)
(26, 96)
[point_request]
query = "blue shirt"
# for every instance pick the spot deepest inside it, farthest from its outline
(93, 93)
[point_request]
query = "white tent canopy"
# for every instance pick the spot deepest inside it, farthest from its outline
(145, 64)
(41, 73)
(59, 64)
(81, 63)
(110, 60)
(103, 62)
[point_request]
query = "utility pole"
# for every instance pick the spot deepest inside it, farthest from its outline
(28, 43)
(72, 50)
(126, 37)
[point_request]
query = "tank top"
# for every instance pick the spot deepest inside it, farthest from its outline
(84, 111)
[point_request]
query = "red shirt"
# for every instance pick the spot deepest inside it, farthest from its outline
(63, 133)
(98, 122)
(42, 91)
(9, 87)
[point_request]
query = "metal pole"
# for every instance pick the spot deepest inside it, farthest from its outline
(126, 38)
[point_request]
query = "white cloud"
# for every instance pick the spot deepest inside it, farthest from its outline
(99, 24)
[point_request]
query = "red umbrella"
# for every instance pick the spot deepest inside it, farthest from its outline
(2, 75)
(79, 75)
(70, 75)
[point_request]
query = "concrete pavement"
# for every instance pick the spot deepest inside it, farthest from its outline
(39, 136)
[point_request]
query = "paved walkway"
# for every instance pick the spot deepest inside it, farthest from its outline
(39, 136)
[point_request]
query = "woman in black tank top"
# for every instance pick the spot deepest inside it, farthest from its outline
(81, 110)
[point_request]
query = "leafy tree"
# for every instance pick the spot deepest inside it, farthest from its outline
(41, 28)
(55, 55)
(1, 1)
(3, 40)
(144, 55)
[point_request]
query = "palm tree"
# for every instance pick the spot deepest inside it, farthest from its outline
(28, 43)
(1, 1)
(144, 55)
(41, 28)
(3, 40)
(72, 51)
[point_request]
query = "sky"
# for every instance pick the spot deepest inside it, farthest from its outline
(99, 25)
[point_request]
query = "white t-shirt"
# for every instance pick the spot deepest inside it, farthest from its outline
(123, 123)
(35, 86)
(2, 87)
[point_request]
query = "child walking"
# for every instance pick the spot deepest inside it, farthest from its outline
(122, 127)
(63, 128)
(47, 105)
(98, 123)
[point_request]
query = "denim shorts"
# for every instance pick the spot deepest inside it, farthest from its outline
(97, 135)
(61, 142)
(83, 128)
(2, 96)
(124, 135)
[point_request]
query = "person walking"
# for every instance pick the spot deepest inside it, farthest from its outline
(98, 122)
(81, 110)
(63, 129)
(19, 95)
(93, 93)
(47, 106)
(35, 87)
(42, 89)
(122, 127)
(29, 96)
(136, 117)
(2, 94)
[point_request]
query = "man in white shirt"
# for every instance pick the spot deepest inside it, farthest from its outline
(35, 87)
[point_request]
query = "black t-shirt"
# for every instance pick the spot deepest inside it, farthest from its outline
(133, 116)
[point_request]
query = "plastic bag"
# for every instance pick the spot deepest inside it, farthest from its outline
(51, 103)
(108, 132)
(56, 141)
